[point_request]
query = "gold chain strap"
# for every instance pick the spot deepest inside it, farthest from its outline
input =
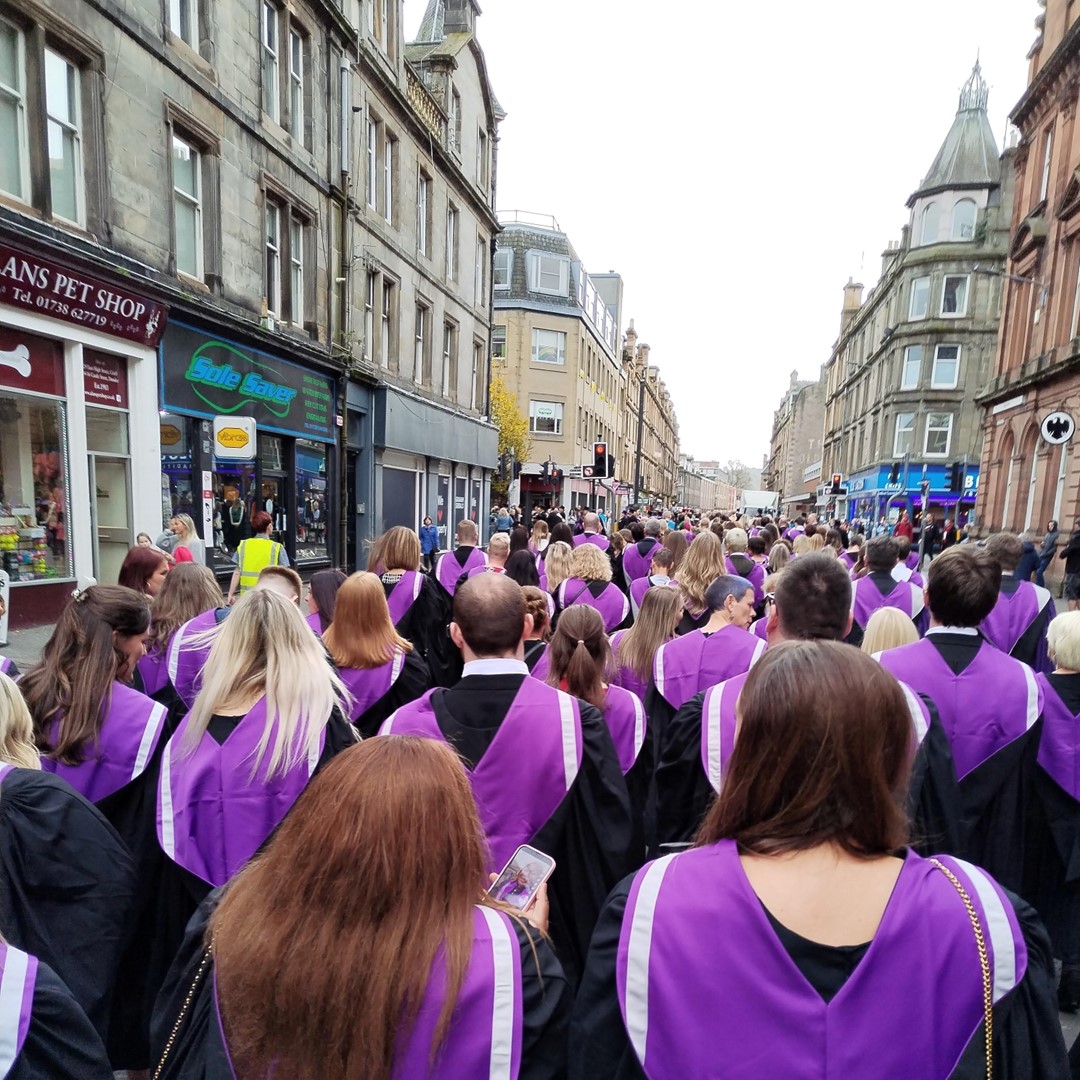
(184, 1011)
(984, 962)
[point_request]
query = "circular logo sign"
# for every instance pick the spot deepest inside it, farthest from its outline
(1057, 428)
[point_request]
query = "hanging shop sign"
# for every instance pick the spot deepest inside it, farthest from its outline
(66, 293)
(1057, 428)
(234, 438)
(209, 376)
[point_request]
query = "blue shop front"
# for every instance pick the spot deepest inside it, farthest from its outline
(873, 494)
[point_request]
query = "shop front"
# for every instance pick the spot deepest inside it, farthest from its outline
(287, 467)
(430, 462)
(873, 494)
(78, 393)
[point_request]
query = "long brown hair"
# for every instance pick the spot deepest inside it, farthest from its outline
(189, 589)
(675, 542)
(580, 653)
(362, 634)
(384, 857)
(823, 755)
(73, 680)
(659, 614)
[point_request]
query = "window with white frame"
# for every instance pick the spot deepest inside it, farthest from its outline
(954, 295)
(64, 137)
(548, 346)
(912, 371)
(389, 153)
(498, 342)
(946, 371)
(14, 137)
(423, 211)
(919, 306)
(296, 270)
(504, 267)
(1048, 155)
(296, 84)
(184, 21)
(963, 220)
(369, 315)
(545, 417)
(453, 123)
(371, 180)
(449, 361)
(386, 329)
(931, 222)
(482, 169)
(476, 392)
(270, 70)
(187, 207)
(938, 434)
(904, 439)
(548, 274)
(420, 341)
(272, 282)
(480, 273)
(451, 242)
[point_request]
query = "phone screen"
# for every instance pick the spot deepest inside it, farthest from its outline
(522, 877)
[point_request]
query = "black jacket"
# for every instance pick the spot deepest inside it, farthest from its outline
(1071, 554)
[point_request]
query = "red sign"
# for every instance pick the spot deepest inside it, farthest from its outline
(30, 362)
(104, 379)
(62, 292)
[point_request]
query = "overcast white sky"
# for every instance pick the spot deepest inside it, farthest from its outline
(736, 163)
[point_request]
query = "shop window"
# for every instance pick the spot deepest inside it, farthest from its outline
(399, 498)
(311, 501)
(234, 501)
(177, 493)
(106, 431)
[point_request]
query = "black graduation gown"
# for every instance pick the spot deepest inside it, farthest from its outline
(168, 697)
(1052, 847)
(198, 1053)
(61, 1043)
(1027, 1036)
(1030, 649)
(67, 886)
(996, 796)
(591, 834)
(534, 649)
(689, 623)
(426, 625)
(413, 682)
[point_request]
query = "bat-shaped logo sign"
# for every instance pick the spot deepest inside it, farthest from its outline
(1058, 428)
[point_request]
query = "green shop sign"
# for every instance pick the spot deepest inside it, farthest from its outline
(205, 375)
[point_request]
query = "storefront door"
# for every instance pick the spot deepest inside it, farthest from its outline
(110, 510)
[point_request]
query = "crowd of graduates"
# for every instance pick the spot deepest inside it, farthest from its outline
(813, 803)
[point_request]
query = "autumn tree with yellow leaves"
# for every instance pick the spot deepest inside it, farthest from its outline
(513, 427)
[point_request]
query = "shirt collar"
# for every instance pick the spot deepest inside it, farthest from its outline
(967, 631)
(500, 665)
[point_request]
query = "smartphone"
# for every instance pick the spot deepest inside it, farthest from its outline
(522, 877)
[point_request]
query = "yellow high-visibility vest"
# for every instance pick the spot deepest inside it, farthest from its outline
(252, 556)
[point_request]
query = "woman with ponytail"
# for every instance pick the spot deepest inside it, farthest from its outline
(538, 604)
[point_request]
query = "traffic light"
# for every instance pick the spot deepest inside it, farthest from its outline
(837, 487)
(955, 479)
(894, 473)
(600, 460)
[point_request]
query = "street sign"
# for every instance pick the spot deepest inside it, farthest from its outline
(1057, 428)
(588, 472)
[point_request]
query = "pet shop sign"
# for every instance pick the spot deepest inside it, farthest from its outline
(65, 293)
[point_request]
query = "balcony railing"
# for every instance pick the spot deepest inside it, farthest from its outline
(427, 108)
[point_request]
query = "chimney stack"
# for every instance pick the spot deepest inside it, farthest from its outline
(852, 302)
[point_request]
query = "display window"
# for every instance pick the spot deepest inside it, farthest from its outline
(311, 502)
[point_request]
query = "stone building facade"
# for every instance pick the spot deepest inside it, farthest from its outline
(1028, 480)
(901, 383)
(196, 201)
(793, 469)
(555, 341)
(696, 491)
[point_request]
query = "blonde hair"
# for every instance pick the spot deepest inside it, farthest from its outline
(1063, 640)
(557, 564)
(736, 540)
(397, 549)
(539, 531)
(589, 563)
(888, 628)
(499, 545)
(362, 634)
(802, 545)
(703, 564)
(188, 526)
(265, 647)
(779, 557)
(16, 728)
(817, 542)
(659, 614)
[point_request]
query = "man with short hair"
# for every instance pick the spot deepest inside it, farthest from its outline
(904, 570)
(990, 707)
(1047, 550)
(1020, 618)
(542, 764)
(659, 576)
(812, 603)
(740, 564)
(638, 557)
(453, 565)
(592, 534)
(880, 589)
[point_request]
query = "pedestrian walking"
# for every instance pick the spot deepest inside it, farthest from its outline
(1047, 551)
(254, 553)
(429, 544)
(1071, 554)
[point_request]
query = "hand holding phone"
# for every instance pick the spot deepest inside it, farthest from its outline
(522, 877)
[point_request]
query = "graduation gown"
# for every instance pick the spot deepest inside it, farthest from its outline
(379, 692)
(421, 612)
(44, 1034)
(659, 977)
(187, 652)
(573, 805)
(537, 1017)
(67, 885)
(878, 590)
(119, 776)
(689, 623)
(597, 539)
(637, 558)
(8, 667)
(743, 566)
(1052, 852)
(536, 655)
(606, 597)
(641, 586)
(152, 679)
(1019, 622)
(453, 564)
(990, 707)
(624, 677)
